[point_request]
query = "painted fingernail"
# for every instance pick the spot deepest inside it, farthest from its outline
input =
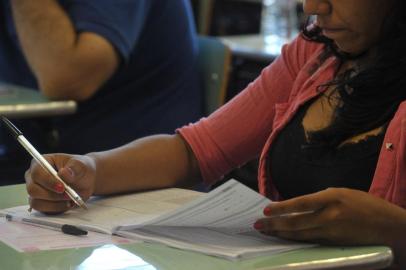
(59, 187)
(267, 211)
(258, 225)
(66, 196)
(70, 171)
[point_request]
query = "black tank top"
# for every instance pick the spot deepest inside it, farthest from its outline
(298, 170)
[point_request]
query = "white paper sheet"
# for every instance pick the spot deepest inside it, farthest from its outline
(105, 213)
(218, 223)
(28, 238)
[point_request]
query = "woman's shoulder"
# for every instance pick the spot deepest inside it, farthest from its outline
(301, 51)
(400, 115)
(299, 59)
(308, 43)
(305, 47)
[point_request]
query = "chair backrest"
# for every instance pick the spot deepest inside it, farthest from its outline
(214, 64)
(203, 11)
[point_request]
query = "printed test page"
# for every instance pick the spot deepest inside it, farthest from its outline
(219, 223)
(232, 206)
(105, 213)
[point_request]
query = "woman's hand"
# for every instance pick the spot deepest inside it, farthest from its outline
(337, 216)
(47, 194)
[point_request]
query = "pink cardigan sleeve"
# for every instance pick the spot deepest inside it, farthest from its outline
(236, 133)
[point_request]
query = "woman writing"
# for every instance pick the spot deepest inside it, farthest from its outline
(327, 118)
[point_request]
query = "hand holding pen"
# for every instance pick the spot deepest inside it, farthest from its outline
(46, 195)
(48, 192)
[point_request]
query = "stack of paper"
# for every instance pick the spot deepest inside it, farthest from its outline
(218, 223)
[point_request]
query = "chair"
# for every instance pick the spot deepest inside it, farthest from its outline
(214, 65)
(203, 10)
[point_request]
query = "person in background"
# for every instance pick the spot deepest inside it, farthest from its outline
(130, 65)
(327, 117)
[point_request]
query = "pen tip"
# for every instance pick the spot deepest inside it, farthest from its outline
(82, 204)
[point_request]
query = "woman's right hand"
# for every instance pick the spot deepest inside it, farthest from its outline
(47, 195)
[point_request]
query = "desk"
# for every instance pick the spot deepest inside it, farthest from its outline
(20, 102)
(143, 256)
(255, 47)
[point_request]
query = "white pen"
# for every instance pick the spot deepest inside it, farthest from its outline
(65, 228)
(42, 161)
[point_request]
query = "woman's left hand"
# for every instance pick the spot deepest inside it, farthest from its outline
(336, 216)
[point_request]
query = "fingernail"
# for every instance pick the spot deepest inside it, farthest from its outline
(70, 171)
(66, 196)
(59, 187)
(258, 225)
(267, 211)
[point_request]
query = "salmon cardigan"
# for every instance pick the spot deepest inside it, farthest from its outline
(246, 126)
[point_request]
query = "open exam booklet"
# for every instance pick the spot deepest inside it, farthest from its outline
(217, 223)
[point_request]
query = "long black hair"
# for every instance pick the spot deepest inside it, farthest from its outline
(369, 97)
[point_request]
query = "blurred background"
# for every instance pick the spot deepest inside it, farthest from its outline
(254, 29)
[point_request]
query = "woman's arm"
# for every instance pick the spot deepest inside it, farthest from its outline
(148, 163)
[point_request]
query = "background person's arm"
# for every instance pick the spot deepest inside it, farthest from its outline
(67, 64)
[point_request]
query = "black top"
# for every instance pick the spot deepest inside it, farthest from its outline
(298, 170)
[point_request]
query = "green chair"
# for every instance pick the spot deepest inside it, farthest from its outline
(214, 64)
(203, 10)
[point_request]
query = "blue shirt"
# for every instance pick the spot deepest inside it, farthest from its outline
(155, 89)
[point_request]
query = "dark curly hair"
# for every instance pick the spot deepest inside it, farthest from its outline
(369, 97)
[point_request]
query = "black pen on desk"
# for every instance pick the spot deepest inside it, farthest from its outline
(42, 161)
(65, 228)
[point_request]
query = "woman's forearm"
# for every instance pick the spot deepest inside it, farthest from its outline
(148, 163)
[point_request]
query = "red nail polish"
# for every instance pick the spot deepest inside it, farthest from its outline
(267, 211)
(59, 187)
(258, 225)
